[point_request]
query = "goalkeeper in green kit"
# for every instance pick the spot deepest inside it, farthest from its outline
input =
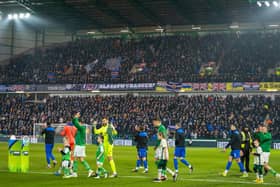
(100, 157)
(80, 146)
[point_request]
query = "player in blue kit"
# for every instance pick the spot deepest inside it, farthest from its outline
(235, 144)
(49, 133)
(180, 148)
(141, 139)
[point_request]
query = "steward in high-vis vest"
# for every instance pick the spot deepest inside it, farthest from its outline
(246, 147)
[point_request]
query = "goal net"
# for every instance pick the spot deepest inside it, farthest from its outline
(38, 128)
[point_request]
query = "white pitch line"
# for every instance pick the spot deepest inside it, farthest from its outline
(207, 180)
(225, 181)
(182, 179)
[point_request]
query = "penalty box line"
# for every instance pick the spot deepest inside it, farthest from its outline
(179, 179)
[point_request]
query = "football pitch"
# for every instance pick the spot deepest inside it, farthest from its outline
(208, 164)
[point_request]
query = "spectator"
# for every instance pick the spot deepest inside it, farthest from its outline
(194, 112)
(230, 57)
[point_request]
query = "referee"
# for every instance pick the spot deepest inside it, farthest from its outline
(49, 133)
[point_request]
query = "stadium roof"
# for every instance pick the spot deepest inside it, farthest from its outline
(100, 14)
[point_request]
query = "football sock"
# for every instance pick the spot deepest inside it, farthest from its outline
(272, 171)
(185, 162)
(145, 164)
(75, 166)
(241, 166)
(113, 166)
(228, 165)
(138, 163)
(175, 161)
(86, 165)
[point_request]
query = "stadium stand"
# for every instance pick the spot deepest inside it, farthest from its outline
(201, 116)
(187, 58)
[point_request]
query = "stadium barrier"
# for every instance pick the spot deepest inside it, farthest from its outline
(129, 142)
(161, 86)
(122, 142)
(221, 144)
(276, 146)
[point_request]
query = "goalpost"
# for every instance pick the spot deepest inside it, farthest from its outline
(38, 128)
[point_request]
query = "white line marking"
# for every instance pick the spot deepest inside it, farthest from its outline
(182, 179)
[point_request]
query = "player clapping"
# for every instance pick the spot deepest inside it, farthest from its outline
(108, 131)
(265, 140)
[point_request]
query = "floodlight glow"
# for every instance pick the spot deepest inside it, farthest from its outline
(159, 29)
(275, 3)
(196, 27)
(124, 31)
(234, 26)
(259, 3)
(15, 16)
(27, 15)
(267, 3)
(10, 16)
(274, 25)
(21, 15)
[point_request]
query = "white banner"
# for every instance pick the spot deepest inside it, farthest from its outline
(139, 86)
(121, 142)
(171, 143)
(221, 145)
(276, 146)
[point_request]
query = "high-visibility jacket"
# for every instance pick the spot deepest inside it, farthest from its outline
(246, 140)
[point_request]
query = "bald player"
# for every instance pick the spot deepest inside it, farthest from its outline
(108, 131)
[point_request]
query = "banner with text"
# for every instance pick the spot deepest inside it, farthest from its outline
(161, 86)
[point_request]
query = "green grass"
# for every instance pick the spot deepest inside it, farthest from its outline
(208, 163)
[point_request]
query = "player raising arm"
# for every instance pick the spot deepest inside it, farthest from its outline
(108, 131)
(265, 140)
(80, 147)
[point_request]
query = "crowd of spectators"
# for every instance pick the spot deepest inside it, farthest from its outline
(201, 116)
(236, 57)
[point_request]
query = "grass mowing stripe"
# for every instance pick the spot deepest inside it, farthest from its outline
(145, 177)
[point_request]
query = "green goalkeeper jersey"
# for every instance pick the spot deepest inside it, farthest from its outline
(80, 138)
(163, 130)
(100, 157)
(265, 140)
(108, 131)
